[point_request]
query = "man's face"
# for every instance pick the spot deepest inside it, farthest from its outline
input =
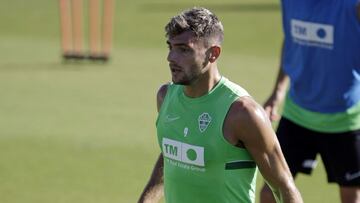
(187, 58)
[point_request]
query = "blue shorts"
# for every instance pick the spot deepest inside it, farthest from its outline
(340, 152)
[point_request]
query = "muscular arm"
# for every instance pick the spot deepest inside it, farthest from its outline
(153, 190)
(248, 123)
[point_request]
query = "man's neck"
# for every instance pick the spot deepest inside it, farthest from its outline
(203, 85)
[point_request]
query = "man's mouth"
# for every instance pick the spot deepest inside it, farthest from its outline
(175, 68)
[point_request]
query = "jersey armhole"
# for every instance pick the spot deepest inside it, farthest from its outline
(222, 135)
(167, 95)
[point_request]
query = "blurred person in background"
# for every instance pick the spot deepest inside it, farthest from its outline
(321, 61)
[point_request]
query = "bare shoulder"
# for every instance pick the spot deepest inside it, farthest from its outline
(246, 109)
(161, 94)
(247, 119)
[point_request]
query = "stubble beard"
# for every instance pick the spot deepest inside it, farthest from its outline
(188, 78)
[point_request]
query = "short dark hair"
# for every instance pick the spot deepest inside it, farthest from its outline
(202, 22)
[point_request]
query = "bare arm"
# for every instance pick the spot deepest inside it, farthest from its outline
(278, 94)
(153, 190)
(252, 127)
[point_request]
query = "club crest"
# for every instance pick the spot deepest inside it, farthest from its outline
(204, 121)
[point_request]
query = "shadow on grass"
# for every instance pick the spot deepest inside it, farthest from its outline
(240, 7)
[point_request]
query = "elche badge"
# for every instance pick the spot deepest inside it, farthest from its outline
(204, 121)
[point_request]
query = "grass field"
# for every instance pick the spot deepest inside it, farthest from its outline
(85, 132)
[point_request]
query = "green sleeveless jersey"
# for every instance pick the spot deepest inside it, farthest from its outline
(200, 166)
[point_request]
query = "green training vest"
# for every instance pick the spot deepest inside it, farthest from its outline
(200, 166)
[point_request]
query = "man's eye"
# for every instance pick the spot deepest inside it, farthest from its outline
(183, 49)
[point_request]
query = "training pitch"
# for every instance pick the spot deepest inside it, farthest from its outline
(85, 132)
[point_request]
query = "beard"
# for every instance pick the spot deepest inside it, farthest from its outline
(186, 78)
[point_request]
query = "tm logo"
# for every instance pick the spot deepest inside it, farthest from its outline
(312, 34)
(183, 152)
(171, 150)
(299, 30)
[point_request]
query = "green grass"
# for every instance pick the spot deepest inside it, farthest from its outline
(85, 132)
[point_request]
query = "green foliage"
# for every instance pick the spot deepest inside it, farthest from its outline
(85, 132)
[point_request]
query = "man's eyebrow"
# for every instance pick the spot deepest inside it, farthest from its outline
(177, 44)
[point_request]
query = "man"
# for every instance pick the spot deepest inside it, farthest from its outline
(321, 58)
(212, 134)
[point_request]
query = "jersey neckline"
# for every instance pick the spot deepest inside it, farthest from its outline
(205, 96)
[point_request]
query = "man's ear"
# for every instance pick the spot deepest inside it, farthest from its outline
(214, 53)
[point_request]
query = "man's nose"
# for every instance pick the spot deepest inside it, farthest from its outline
(171, 56)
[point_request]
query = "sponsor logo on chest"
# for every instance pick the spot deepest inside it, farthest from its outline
(185, 153)
(312, 34)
